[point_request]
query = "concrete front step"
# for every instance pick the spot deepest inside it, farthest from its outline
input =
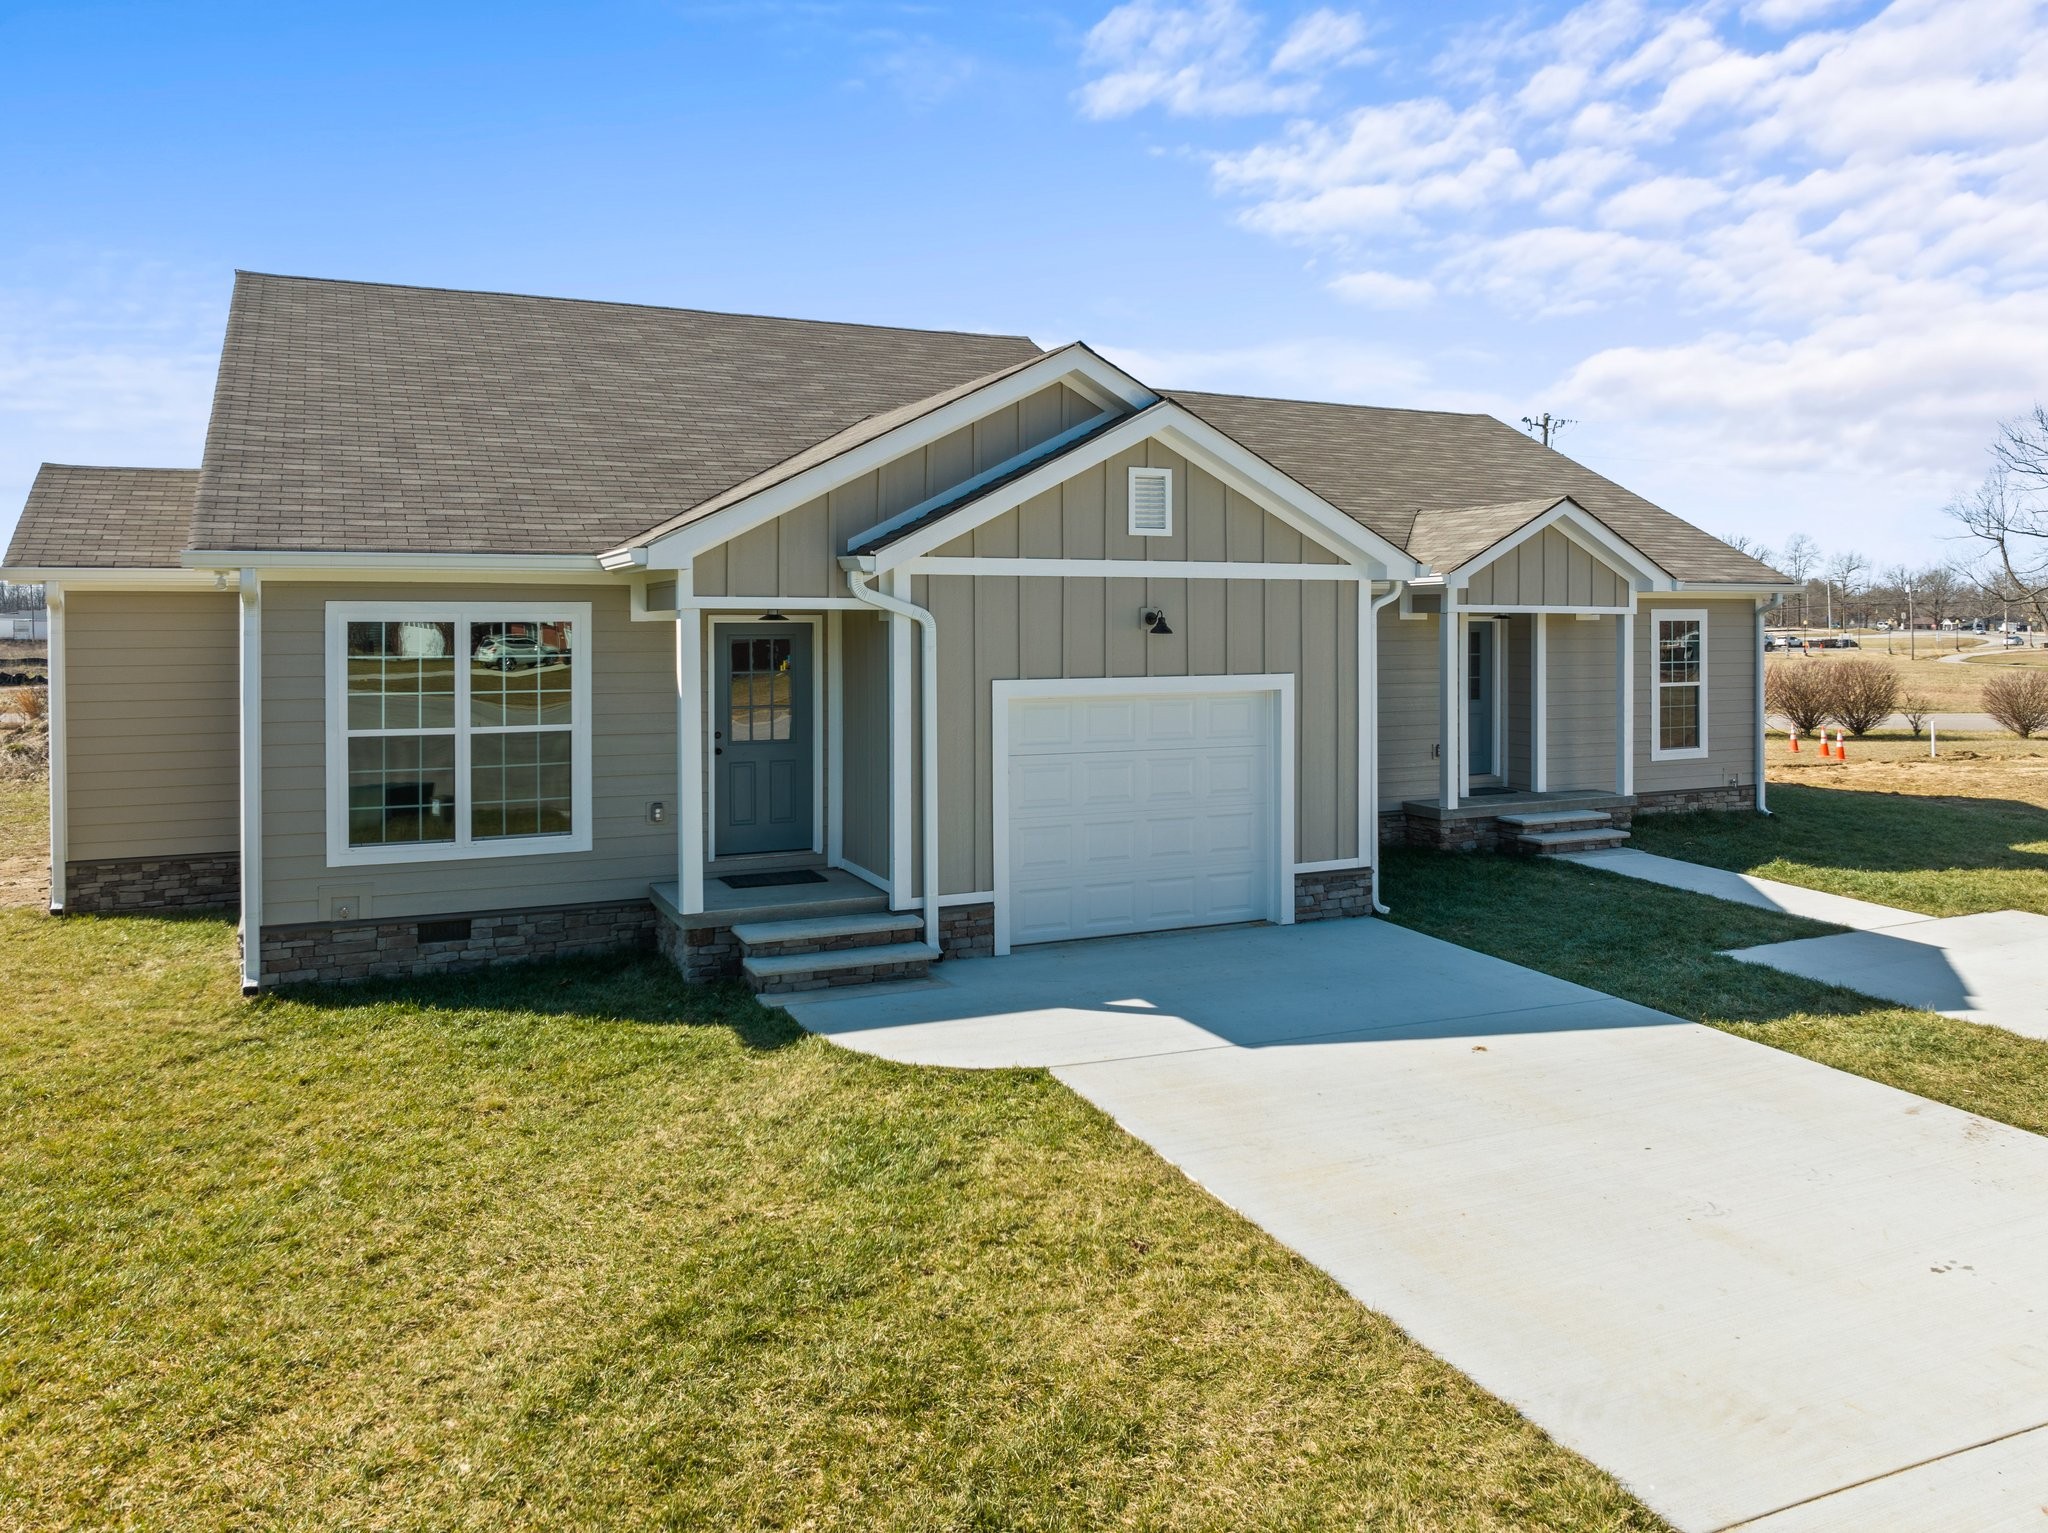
(1558, 819)
(783, 974)
(832, 933)
(1551, 843)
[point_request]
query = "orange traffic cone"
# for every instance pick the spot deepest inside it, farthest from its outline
(1795, 742)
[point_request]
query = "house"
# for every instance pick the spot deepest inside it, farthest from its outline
(498, 626)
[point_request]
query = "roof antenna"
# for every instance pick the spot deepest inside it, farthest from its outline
(1546, 425)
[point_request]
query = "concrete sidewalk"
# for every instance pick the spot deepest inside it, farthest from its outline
(1990, 968)
(1746, 1284)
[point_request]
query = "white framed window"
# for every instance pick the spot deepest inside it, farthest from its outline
(457, 730)
(1151, 502)
(1678, 686)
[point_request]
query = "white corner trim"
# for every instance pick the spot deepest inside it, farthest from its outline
(55, 598)
(1539, 703)
(339, 614)
(1625, 706)
(250, 777)
(1656, 617)
(1286, 830)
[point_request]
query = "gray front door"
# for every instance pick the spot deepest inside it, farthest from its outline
(762, 739)
(1479, 699)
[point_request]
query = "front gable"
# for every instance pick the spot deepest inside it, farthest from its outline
(796, 553)
(1548, 570)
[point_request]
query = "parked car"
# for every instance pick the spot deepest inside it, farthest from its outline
(2015, 641)
(508, 651)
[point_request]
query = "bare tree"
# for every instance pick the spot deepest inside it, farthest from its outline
(2007, 517)
(1938, 591)
(1844, 576)
(1797, 559)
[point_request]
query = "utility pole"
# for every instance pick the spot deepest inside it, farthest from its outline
(1912, 653)
(1546, 425)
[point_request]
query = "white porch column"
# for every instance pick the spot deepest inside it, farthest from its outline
(1450, 770)
(689, 753)
(60, 750)
(835, 741)
(1539, 703)
(252, 782)
(1756, 652)
(902, 756)
(1625, 703)
(1368, 723)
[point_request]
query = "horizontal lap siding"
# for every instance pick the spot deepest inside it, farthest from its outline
(151, 697)
(1581, 703)
(1733, 656)
(864, 832)
(633, 759)
(1518, 647)
(1410, 708)
(797, 554)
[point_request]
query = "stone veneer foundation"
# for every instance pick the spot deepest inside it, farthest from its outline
(124, 886)
(1333, 896)
(376, 949)
(1683, 800)
(967, 931)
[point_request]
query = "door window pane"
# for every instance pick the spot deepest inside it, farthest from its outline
(759, 701)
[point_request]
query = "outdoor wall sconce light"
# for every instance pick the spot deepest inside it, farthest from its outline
(771, 616)
(1155, 621)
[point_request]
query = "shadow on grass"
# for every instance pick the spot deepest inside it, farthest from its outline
(638, 988)
(1855, 830)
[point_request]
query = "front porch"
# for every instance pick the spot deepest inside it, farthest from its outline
(1493, 818)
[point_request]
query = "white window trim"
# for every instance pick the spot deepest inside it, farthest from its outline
(339, 615)
(1658, 617)
(1165, 477)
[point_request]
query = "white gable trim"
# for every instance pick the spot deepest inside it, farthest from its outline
(1579, 526)
(1098, 381)
(1199, 442)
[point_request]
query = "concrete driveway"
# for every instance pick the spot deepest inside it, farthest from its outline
(1761, 1292)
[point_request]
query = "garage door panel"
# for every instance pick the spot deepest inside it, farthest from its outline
(1141, 814)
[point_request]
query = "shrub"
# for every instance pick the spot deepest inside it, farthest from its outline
(1797, 691)
(29, 703)
(1861, 695)
(2019, 701)
(1917, 711)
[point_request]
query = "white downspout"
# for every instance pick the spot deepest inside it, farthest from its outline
(1372, 787)
(1761, 721)
(928, 733)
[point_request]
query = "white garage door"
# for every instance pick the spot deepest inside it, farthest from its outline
(1135, 814)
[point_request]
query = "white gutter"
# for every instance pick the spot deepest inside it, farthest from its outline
(928, 727)
(310, 559)
(1762, 722)
(1372, 786)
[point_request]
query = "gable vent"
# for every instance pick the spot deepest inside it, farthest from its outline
(1151, 502)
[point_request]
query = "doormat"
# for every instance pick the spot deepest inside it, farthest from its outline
(770, 880)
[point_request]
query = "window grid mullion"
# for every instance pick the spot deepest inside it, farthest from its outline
(464, 808)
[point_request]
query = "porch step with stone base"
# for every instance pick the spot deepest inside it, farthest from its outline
(1555, 832)
(818, 952)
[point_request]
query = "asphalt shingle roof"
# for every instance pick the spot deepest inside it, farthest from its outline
(1385, 467)
(359, 417)
(104, 518)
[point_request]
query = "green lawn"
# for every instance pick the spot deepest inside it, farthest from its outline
(582, 1246)
(1662, 947)
(1945, 857)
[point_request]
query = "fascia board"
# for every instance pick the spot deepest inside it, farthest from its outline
(1063, 366)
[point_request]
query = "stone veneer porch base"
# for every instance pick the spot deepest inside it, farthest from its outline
(386, 949)
(133, 885)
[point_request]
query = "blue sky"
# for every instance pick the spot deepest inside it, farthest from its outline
(1785, 261)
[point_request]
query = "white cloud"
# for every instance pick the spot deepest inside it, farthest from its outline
(1208, 59)
(1816, 248)
(1382, 290)
(1324, 369)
